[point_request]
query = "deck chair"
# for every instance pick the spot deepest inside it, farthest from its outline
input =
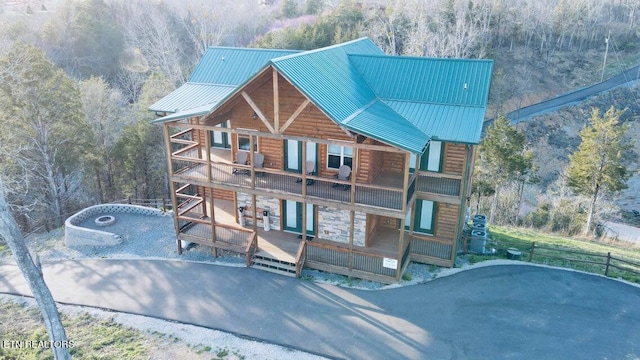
(241, 159)
(311, 168)
(258, 162)
(344, 172)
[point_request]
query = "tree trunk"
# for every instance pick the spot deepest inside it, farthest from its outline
(11, 234)
(494, 205)
(592, 206)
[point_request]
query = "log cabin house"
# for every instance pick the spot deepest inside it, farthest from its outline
(341, 159)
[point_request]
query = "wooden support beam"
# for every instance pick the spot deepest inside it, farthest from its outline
(276, 102)
(400, 249)
(207, 152)
(295, 115)
(258, 112)
(405, 182)
(304, 168)
(172, 185)
(352, 215)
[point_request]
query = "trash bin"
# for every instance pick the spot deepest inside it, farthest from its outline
(265, 220)
(241, 220)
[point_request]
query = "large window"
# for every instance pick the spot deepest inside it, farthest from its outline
(424, 217)
(339, 155)
(431, 160)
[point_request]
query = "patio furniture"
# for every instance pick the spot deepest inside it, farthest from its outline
(241, 159)
(258, 163)
(344, 172)
(311, 168)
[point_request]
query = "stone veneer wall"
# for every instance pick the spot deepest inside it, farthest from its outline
(333, 224)
(263, 203)
(75, 235)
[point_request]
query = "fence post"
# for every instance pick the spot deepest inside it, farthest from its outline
(606, 268)
(533, 246)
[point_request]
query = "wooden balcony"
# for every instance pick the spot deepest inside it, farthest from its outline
(386, 193)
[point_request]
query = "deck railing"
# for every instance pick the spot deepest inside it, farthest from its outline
(432, 247)
(301, 257)
(363, 264)
(439, 183)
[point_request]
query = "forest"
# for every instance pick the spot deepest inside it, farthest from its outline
(76, 76)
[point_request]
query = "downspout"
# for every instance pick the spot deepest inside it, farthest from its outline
(463, 200)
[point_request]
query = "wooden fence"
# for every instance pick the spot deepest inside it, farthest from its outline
(610, 265)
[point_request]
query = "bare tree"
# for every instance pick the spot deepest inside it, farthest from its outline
(11, 234)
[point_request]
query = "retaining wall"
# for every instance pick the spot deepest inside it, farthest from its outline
(75, 235)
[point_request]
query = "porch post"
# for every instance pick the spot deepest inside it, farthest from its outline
(207, 153)
(251, 158)
(304, 220)
(352, 215)
(213, 222)
(304, 169)
(400, 250)
(405, 181)
(354, 172)
(276, 102)
(172, 185)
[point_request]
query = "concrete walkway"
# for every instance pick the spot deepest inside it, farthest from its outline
(511, 311)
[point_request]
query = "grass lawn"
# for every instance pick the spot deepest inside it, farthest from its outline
(562, 251)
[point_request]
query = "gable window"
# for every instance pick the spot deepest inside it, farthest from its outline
(338, 155)
(244, 142)
(431, 160)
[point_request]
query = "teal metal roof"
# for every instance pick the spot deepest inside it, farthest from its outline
(382, 123)
(453, 123)
(329, 79)
(191, 95)
(232, 66)
(442, 81)
(401, 101)
(220, 71)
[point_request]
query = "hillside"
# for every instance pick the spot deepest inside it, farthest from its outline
(555, 135)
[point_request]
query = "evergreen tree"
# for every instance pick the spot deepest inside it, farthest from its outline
(598, 167)
(503, 156)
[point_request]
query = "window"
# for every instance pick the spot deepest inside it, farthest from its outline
(219, 138)
(339, 155)
(244, 142)
(424, 217)
(431, 160)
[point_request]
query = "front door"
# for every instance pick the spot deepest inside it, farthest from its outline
(293, 217)
(293, 155)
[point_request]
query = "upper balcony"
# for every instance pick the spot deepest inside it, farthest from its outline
(388, 194)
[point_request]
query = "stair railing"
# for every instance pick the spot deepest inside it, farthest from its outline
(300, 257)
(252, 245)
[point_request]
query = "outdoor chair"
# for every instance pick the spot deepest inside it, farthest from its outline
(241, 159)
(258, 162)
(311, 168)
(344, 172)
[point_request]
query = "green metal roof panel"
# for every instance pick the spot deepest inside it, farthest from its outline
(232, 66)
(327, 78)
(444, 81)
(443, 122)
(197, 111)
(191, 95)
(382, 123)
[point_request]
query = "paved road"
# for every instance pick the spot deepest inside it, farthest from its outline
(625, 77)
(516, 312)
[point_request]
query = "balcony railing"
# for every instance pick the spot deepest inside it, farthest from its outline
(438, 183)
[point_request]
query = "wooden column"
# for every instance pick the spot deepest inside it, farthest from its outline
(213, 223)
(276, 102)
(304, 168)
(254, 207)
(172, 185)
(355, 164)
(352, 215)
(400, 250)
(405, 183)
(207, 152)
(251, 159)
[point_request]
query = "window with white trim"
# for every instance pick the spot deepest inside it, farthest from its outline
(244, 142)
(338, 155)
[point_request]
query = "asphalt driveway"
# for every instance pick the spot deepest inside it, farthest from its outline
(509, 311)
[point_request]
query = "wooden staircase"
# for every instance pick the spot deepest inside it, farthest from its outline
(264, 261)
(280, 262)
